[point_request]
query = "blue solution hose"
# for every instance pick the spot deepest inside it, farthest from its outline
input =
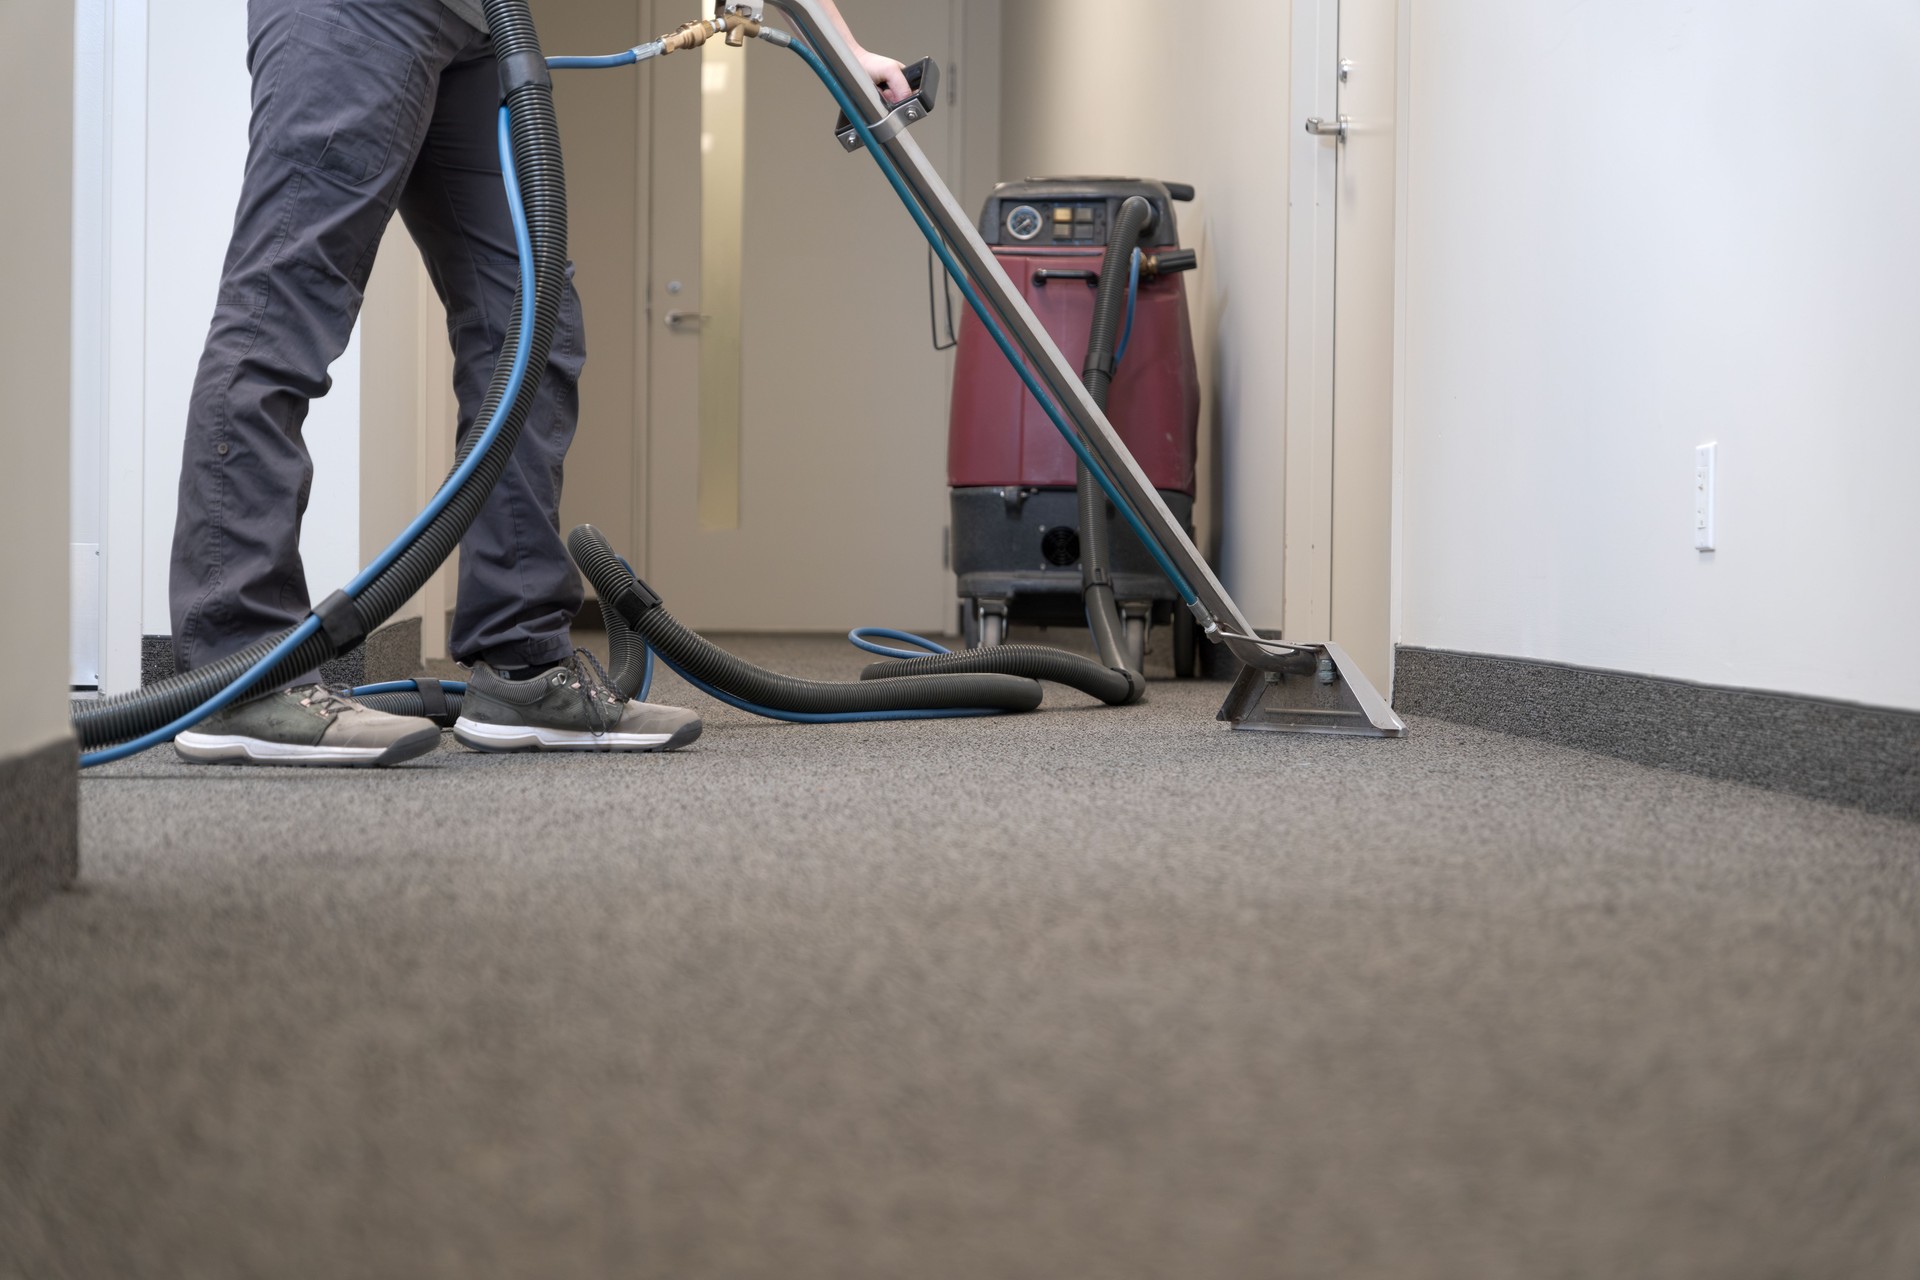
(960, 277)
(595, 63)
(1133, 296)
(523, 241)
(406, 686)
(862, 638)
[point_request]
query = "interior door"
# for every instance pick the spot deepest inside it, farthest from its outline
(796, 408)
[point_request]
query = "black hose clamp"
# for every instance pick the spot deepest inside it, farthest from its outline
(649, 598)
(433, 701)
(518, 70)
(340, 619)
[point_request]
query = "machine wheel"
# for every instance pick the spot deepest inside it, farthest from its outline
(1136, 640)
(1186, 644)
(993, 630)
(969, 623)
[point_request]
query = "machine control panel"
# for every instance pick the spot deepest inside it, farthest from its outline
(1076, 213)
(1079, 222)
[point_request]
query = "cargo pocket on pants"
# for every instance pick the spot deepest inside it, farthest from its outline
(338, 100)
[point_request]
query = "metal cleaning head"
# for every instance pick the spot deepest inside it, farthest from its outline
(1309, 688)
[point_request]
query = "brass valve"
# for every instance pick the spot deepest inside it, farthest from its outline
(738, 28)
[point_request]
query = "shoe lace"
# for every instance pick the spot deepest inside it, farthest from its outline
(330, 699)
(596, 687)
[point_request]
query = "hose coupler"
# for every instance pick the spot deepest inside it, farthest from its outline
(1169, 262)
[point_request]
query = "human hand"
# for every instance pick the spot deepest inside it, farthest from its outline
(888, 73)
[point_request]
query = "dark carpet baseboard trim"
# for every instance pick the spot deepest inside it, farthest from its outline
(39, 826)
(1866, 757)
(390, 653)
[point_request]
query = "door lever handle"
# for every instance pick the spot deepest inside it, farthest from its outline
(1335, 128)
(686, 321)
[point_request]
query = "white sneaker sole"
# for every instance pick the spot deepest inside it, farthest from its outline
(215, 748)
(527, 737)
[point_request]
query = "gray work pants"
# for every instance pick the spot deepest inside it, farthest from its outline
(362, 108)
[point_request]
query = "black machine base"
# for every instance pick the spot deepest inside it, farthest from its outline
(1016, 552)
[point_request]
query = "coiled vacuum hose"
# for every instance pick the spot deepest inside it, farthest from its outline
(629, 606)
(534, 139)
(1096, 539)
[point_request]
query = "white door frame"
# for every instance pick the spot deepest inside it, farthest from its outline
(1311, 246)
(109, 334)
(1345, 307)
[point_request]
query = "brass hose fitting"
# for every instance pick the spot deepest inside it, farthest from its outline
(688, 35)
(738, 28)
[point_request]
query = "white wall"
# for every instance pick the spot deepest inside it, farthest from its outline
(36, 86)
(198, 107)
(162, 158)
(1132, 87)
(1632, 228)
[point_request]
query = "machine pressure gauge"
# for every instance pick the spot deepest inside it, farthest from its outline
(1024, 223)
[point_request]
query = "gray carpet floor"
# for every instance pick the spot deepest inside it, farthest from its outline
(1090, 993)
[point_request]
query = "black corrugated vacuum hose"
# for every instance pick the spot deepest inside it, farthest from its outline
(535, 139)
(1096, 538)
(629, 605)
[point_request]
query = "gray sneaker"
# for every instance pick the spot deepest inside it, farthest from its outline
(573, 707)
(309, 725)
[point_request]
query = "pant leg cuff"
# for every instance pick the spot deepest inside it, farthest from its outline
(530, 653)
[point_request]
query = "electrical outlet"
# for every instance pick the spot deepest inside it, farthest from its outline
(1703, 497)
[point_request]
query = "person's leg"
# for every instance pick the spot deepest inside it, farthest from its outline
(342, 95)
(518, 589)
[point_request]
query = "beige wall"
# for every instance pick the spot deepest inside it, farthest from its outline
(36, 93)
(1123, 87)
(407, 417)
